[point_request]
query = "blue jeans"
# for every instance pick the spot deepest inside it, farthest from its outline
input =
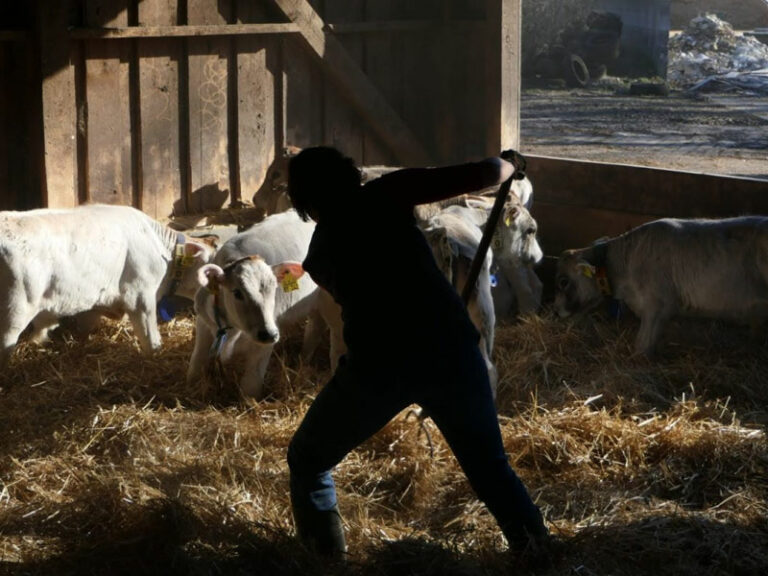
(362, 397)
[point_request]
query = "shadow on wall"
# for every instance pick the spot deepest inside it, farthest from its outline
(204, 199)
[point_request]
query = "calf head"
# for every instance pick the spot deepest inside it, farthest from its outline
(515, 236)
(246, 292)
(273, 193)
(196, 253)
(577, 283)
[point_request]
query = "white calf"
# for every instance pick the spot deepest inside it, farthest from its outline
(254, 288)
(94, 259)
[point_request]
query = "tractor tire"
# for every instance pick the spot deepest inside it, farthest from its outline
(576, 71)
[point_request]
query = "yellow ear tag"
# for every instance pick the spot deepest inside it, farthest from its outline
(289, 282)
(508, 221)
(587, 271)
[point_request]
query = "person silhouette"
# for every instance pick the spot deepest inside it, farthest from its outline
(409, 339)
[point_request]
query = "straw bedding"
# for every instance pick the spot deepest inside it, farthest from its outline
(111, 464)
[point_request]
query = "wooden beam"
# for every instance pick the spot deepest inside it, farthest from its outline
(503, 62)
(390, 26)
(121, 32)
(355, 85)
(454, 26)
(59, 109)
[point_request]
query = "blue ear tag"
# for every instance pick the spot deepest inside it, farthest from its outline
(166, 309)
(494, 281)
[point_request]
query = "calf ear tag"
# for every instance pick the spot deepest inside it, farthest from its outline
(288, 274)
(289, 282)
(586, 269)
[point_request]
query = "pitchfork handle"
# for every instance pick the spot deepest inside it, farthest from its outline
(493, 219)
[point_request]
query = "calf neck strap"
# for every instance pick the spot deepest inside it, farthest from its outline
(221, 328)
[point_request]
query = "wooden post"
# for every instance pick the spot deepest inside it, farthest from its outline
(158, 99)
(59, 182)
(209, 109)
(503, 61)
(110, 160)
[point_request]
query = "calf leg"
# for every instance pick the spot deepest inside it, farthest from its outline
(651, 326)
(41, 326)
(528, 288)
(203, 342)
(484, 320)
(12, 324)
(331, 313)
(313, 335)
(144, 321)
(252, 381)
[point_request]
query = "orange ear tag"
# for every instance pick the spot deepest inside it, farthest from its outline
(289, 282)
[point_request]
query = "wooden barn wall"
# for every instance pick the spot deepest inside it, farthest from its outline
(144, 105)
(19, 110)
(576, 202)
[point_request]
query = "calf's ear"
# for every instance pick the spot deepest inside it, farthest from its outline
(293, 268)
(511, 213)
(203, 249)
(287, 274)
(210, 276)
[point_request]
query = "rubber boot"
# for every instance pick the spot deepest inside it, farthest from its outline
(321, 531)
(529, 536)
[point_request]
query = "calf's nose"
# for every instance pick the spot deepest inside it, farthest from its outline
(268, 336)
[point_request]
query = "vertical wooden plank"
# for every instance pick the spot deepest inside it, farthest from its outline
(159, 97)
(25, 116)
(503, 59)
(185, 147)
(450, 85)
(417, 72)
(58, 95)
(304, 97)
(81, 105)
(108, 102)
(255, 102)
(343, 128)
(381, 70)
(208, 112)
(6, 62)
(460, 124)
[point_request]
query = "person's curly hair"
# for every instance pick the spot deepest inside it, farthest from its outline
(320, 178)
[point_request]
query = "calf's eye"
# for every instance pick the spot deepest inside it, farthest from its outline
(562, 282)
(238, 293)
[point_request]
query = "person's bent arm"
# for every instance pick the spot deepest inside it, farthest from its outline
(412, 186)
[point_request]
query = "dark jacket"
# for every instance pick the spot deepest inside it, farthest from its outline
(376, 262)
